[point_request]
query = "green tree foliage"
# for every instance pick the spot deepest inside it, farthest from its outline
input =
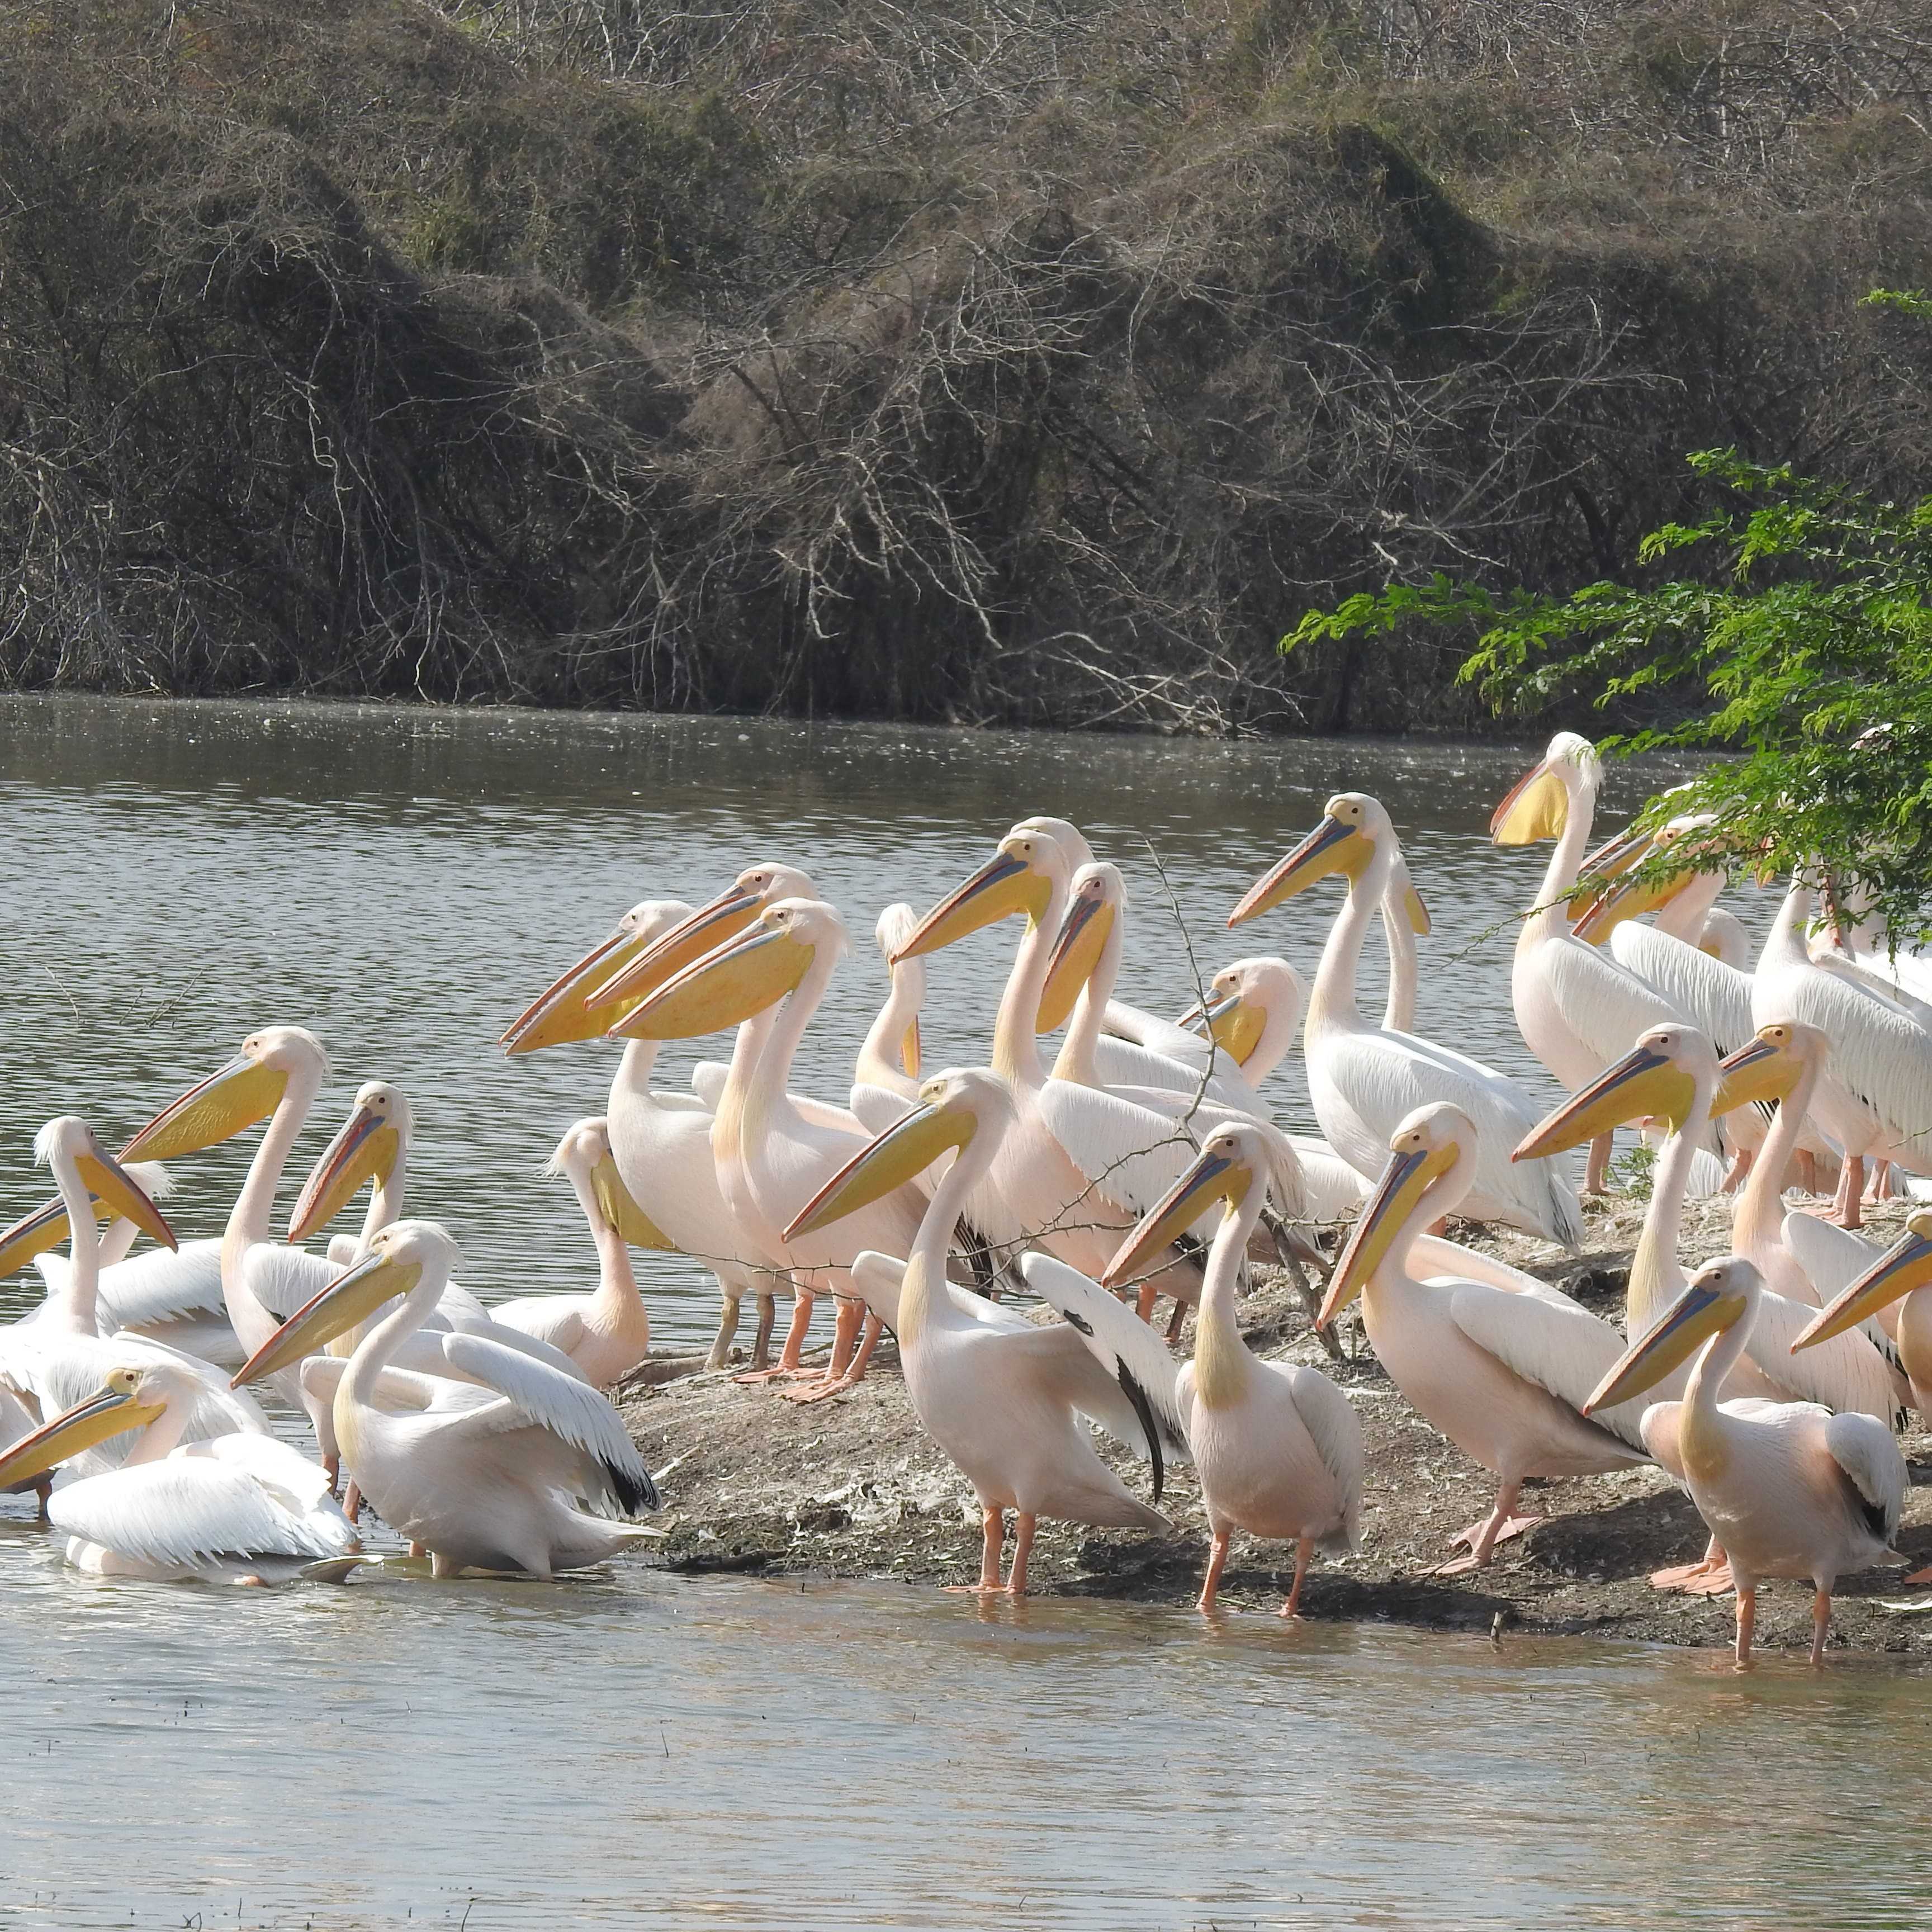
(1803, 648)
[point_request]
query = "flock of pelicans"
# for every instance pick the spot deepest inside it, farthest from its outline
(1144, 1161)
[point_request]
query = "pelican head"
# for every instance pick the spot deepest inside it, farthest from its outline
(1537, 805)
(953, 1107)
(1769, 1065)
(234, 1097)
(130, 1397)
(1657, 1079)
(1718, 1297)
(1905, 1265)
(1630, 894)
(46, 1226)
(399, 1258)
(70, 1141)
(1232, 1159)
(741, 977)
(571, 1008)
(1064, 833)
(1243, 1000)
(372, 1145)
(1096, 900)
(1352, 824)
(1020, 876)
(583, 1158)
(1432, 1157)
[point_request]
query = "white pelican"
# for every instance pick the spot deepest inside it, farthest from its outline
(230, 1509)
(1003, 1402)
(889, 1056)
(482, 1473)
(607, 1334)
(661, 1141)
(1502, 1371)
(1877, 1098)
(1276, 1447)
(1672, 1075)
(771, 1156)
(1079, 1162)
(58, 1358)
(1365, 1079)
(1576, 1009)
(1788, 1489)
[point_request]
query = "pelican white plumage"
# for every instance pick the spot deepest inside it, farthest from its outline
(607, 1333)
(661, 1140)
(57, 1359)
(1788, 1489)
(1003, 1402)
(240, 1508)
(889, 1056)
(484, 1473)
(1576, 1008)
(1364, 1079)
(1672, 1074)
(772, 1157)
(1502, 1371)
(1876, 1100)
(1276, 1446)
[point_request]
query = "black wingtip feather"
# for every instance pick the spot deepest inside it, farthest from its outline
(1144, 1409)
(633, 1495)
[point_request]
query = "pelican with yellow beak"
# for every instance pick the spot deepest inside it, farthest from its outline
(661, 1140)
(1364, 1080)
(56, 1359)
(607, 1333)
(1003, 1399)
(1899, 1278)
(481, 1472)
(1276, 1446)
(1502, 1371)
(771, 1156)
(1575, 1006)
(230, 1509)
(1788, 1489)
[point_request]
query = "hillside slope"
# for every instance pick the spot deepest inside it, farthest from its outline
(1025, 359)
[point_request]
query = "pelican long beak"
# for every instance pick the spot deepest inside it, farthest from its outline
(112, 1412)
(1642, 1085)
(620, 1210)
(34, 1233)
(1905, 1265)
(1420, 923)
(116, 1190)
(229, 1101)
(1536, 806)
(349, 1299)
(1212, 1177)
(1076, 952)
(1406, 1179)
(1627, 898)
(693, 938)
(1760, 1072)
(724, 988)
(365, 1149)
(1003, 886)
(1332, 847)
(909, 1052)
(1235, 1024)
(907, 1148)
(568, 1010)
(1695, 1315)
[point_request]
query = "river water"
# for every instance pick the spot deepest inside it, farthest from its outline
(631, 1748)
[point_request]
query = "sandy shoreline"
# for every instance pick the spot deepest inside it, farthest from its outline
(852, 1487)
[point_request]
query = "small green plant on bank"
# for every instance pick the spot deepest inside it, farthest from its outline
(1635, 1173)
(1805, 648)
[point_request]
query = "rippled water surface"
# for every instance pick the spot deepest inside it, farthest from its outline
(629, 1748)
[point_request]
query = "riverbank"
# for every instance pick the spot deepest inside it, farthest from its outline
(852, 1487)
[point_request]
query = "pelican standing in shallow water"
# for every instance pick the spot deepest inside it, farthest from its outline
(1365, 1079)
(483, 1473)
(1003, 1402)
(1502, 1371)
(232, 1509)
(1788, 1489)
(1276, 1446)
